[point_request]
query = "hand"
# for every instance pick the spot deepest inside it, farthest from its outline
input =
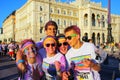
(36, 75)
(86, 62)
(21, 66)
(57, 65)
(65, 75)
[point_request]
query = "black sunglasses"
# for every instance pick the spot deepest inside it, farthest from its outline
(70, 37)
(64, 43)
(48, 45)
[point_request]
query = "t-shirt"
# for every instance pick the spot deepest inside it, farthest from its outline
(41, 49)
(38, 65)
(11, 47)
(75, 56)
(49, 67)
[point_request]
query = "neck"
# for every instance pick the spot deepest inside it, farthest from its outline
(78, 45)
(31, 60)
(50, 54)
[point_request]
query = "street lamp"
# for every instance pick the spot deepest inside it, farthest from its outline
(109, 36)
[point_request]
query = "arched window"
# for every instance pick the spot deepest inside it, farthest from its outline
(86, 20)
(98, 38)
(65, 22)
(98, 20)
(41, 8)
(103, 38)
(93, 37)
(93, 19)
(103, 21)
(58, 22)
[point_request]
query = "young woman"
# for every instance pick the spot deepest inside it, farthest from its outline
(31, 60)
(54, 63)
(63, 46)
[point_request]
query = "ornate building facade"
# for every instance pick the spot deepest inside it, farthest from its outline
(91, 17)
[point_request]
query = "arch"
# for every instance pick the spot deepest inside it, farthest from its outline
(86, 20)
(98, 38)
(103, 38)
(98, 20)
(93, 19)
(103, 21)
(93, 37)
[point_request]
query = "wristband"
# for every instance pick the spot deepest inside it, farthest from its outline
(20, 61)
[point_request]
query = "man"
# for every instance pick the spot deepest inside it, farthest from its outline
(81, 56)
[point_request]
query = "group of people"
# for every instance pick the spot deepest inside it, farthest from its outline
(62, 57)
(8, 49)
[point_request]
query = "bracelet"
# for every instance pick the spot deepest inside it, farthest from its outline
(20, 61)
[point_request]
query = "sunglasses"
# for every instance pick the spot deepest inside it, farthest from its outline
(64, 43)
(70, 37)
(48, 45)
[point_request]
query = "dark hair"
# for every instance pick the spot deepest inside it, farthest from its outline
(53, 23)
(60, 36)
(72, 27)
(84, 38)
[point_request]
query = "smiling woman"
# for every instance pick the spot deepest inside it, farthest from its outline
(54, 63)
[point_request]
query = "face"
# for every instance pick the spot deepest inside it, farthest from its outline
(63, 45)
(50, 46)
(30, 51)
(51, 30)
(72, 38)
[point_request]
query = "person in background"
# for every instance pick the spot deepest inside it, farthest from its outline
(11, 48)
(0, 48)
(81, 56)
(54, 63)
(63, 46)
(31, 60)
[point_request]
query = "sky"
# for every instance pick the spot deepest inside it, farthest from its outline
(8, 6)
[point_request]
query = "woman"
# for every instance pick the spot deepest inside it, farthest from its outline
(31, 60)
(62, 44)
(54, 63)
(63, 47)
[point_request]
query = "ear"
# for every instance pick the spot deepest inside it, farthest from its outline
(78, 36)
(45, 31)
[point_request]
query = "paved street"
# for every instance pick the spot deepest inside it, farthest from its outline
(110, 71)
(8, 70)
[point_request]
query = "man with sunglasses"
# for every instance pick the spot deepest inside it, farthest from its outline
(81, 56)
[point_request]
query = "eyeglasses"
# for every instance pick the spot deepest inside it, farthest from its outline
(48, 45)
(64, 43)
(70, 37)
